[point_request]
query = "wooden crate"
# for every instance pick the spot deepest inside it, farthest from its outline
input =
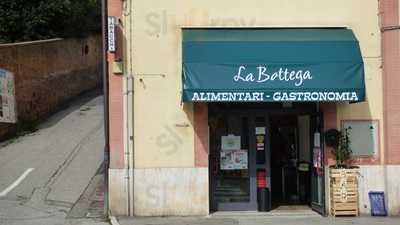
(344, 192)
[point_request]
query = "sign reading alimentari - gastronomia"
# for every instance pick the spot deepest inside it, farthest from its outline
(245, 65)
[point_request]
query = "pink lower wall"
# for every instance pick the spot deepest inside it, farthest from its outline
(116, 119)
(201, 134)
(116, 122)
(330, 122)
(391, 79)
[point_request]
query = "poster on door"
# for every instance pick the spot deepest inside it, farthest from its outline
(260, 142)
(234, 160)
(317, 154)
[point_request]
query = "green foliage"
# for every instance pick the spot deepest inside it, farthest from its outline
(26, 126)
(342, 152)
(332, 138)
(26, 20)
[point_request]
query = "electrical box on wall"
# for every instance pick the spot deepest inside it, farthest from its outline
(118, 67)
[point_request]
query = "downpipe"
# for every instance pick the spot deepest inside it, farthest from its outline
(128, 95)
(129, 108)
(106, 107)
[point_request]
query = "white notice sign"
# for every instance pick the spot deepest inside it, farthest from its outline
(317, 139)
(230, 142)
(7, 97)
(260, 130)
(111, 33)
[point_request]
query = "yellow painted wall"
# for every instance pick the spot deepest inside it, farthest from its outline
(372, 109)
(163, 127)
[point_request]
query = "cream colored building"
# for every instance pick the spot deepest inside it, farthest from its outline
(159, 160)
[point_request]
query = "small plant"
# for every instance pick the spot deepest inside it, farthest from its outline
(26, 126)
(340, 143)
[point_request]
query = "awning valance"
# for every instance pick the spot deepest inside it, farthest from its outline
(241, 65)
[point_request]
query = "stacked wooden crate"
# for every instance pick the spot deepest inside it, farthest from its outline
(344, 191)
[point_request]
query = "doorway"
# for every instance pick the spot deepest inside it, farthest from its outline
(232, 158)
(252, 144)
(290, 161)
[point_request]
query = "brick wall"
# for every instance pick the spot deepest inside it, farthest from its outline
(49, 73)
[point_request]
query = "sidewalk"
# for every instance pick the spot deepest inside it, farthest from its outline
(258, 220)
(62, 156)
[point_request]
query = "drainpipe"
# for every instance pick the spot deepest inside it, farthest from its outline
(106, 105)
(128, 108)
(131, 107)
(389, 23)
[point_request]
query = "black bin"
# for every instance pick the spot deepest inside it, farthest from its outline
(263, 199)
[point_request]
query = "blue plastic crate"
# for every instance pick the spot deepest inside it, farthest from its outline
(377, 201)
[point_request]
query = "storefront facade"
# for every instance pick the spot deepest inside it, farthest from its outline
(168, 118)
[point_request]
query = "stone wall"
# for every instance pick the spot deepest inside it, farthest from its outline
(48, 73)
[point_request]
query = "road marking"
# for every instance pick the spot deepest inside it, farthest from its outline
(15, 184)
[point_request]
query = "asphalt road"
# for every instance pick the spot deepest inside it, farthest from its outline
(43, 174)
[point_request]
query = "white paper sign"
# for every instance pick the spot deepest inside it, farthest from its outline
(230, 142)
(111, 34)
(234, 160)
(7, 97)
(317, 139)
(260, 130)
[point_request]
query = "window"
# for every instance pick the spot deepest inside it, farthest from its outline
(364, 136)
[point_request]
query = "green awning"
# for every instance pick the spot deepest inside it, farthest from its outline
(240, 65)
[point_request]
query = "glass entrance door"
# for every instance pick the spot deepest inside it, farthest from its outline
(317, 171)
(232, 169)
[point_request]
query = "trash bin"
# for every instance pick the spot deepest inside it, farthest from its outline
(263, 197)
(377, 201)
(304, 182)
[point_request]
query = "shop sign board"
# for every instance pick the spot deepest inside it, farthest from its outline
(7, 97)
(278, 65)
(111, 33)
(269, 96)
